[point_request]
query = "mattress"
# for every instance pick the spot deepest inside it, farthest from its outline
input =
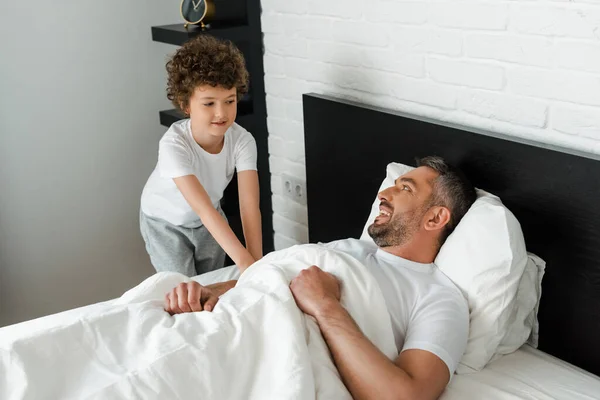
(525, 374)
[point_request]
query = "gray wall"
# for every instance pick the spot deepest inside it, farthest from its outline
(80, 86)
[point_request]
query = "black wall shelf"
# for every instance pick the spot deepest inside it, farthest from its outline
(252, 110)
(176, 34)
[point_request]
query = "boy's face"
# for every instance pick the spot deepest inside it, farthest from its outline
(213, 109)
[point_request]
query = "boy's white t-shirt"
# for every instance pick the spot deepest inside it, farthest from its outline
(428, 312)
(180, 155)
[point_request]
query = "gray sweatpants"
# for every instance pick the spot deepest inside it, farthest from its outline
(191, 251)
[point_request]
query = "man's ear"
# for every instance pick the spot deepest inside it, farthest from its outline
(437, 218)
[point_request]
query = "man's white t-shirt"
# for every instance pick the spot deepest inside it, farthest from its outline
(180, 155)
(428, 312)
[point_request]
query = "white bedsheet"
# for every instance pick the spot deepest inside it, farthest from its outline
(525, 374)
(129, 348)
(256, 344)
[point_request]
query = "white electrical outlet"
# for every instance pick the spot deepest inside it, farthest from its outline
(293, 188)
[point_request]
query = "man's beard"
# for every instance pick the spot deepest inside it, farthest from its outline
(398, 230)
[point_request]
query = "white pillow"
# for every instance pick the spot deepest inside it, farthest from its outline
(523, 325)
(485, 257)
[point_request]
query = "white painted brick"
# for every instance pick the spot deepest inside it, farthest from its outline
(283, 242)
(271, 23)
(560, 85)
(276, 146)
(331, 47)
(557, 21)
(290, 228)
(348, 94)
(321, 88)
(296, 88)
(400, 12)
(424, 92)
(292, 7)
(529, 50)
(466, 73)
(288, 88)
(426, 40)
(366, 34)
(307, 70)
(336, 53)
(291, 150)
(410, 107)
(294, 111)
(469, 15)
(274, 65)
(595, 2)
(285, 46)
(275, 107)
(581, 56)
(276, 183)
(283, 165)
(275, 85)
(285, 129)
(336, 8)
(376, 84)
(361, 79)
(582, 121)
(503, 107)
(310, 28)
(290, 209)
(387, 60)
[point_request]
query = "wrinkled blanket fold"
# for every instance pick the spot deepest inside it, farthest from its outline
(256, 344)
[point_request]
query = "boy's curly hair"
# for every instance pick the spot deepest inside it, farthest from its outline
(205, 60)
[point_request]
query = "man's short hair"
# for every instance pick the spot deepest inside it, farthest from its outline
(451, 189)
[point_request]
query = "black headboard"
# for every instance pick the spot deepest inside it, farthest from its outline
(554, 193)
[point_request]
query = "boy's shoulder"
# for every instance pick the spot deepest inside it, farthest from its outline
(239, 135)
(177, 132)
(239, 131)
(179, 128)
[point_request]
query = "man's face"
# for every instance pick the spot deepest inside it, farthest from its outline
(402, 207)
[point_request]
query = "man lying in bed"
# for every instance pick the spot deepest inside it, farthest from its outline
(428, 313)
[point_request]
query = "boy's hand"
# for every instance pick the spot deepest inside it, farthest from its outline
(192, 297)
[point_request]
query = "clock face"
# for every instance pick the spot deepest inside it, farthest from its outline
(193, 11)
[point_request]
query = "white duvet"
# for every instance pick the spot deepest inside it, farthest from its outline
(256, 344)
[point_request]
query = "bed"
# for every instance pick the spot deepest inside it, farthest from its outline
(552, 191)
(130, 348)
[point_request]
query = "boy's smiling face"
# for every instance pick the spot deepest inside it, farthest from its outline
(212, 109)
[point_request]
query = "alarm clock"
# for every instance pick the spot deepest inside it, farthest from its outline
(202, 12)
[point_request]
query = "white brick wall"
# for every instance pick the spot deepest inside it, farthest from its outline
(528, 68)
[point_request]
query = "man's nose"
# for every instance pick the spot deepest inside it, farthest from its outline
(385, 194)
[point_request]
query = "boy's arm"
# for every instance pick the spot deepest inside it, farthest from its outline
(248, 192)
(198, 199)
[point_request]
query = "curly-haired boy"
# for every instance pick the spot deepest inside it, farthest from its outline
(181, 220)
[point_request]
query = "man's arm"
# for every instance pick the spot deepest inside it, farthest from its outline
(367, 373)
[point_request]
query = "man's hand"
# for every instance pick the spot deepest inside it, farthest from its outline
(192, 296)
(315, 289)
